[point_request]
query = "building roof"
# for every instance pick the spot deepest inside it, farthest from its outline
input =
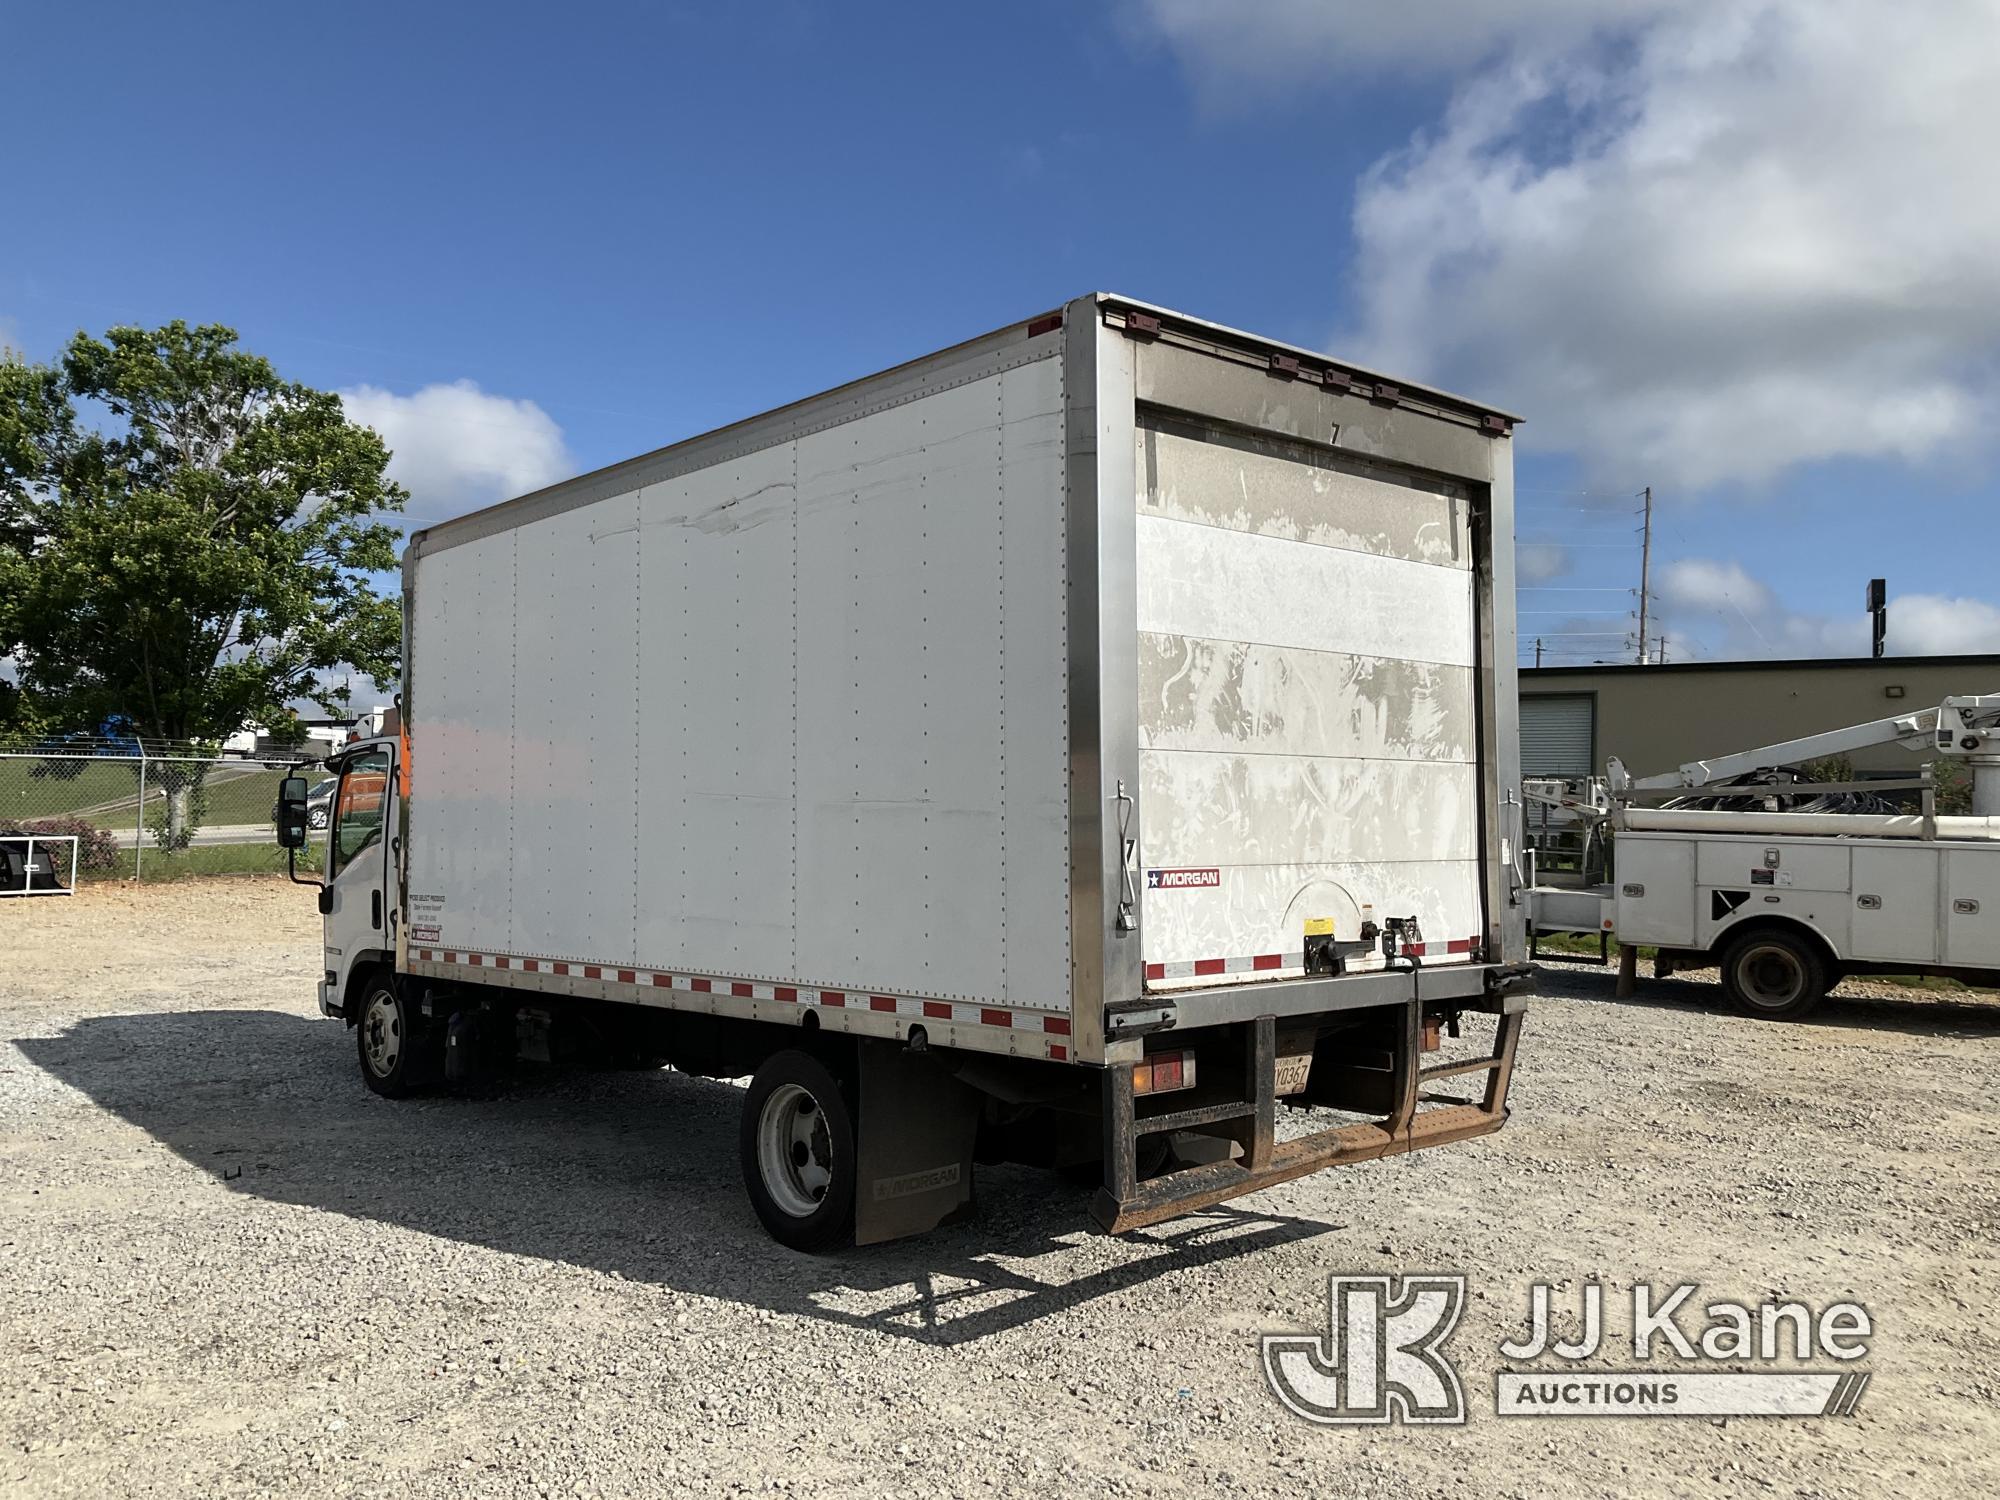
(1798, 664)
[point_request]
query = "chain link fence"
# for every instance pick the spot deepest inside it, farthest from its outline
(141, 816)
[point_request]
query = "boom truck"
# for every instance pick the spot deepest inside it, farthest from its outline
(1785, 883)
(1069, 747)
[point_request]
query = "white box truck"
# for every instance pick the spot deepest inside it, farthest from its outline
(1064, 748)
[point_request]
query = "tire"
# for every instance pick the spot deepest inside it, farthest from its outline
(798, 1153)
(1774, 975)
(392, 1045)
(316, 817)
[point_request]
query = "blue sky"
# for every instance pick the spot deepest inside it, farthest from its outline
(528, 244)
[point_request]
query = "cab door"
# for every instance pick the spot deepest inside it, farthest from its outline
(358, 905)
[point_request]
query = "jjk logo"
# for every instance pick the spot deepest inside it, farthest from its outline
(1380, 1360)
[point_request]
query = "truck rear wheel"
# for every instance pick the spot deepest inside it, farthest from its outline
(798, 1152)
(390, 1040)
(1773, 975)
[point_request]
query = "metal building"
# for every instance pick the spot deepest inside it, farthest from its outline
(1655, 718)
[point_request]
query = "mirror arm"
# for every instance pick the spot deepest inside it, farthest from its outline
(292, 869)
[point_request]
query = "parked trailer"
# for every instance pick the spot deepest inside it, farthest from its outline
(1063, 748)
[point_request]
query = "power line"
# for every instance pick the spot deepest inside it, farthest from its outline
(1558, 542)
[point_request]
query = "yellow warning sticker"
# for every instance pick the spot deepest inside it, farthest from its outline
(1319, 926)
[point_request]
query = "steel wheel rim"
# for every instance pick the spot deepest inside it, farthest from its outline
(382, 1033)
(794, 1150)
(1772, 977)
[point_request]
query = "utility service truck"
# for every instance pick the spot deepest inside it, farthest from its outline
(1064, 748)
(1787, 883)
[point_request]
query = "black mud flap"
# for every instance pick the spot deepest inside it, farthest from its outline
(914, 1152)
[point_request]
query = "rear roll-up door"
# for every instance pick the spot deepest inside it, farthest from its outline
(1307, 652)
(1556, 734)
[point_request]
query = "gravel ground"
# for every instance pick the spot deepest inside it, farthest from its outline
(227, 1269)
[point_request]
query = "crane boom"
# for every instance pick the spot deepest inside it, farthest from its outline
(1966, 728)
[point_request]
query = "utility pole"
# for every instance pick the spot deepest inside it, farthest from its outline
(1538, 651)
(1661, 659)
(1645, 571)
(1878, 611)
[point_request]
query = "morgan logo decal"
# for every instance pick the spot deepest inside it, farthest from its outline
(1182, 880)
(926, 1181)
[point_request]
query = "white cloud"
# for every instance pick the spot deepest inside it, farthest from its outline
(1704, 584)
(1694, 242)
(1228, 48)
(1720, 610)
(1766, 238)
(455, 447)
(1926, 624)
(1538, 562)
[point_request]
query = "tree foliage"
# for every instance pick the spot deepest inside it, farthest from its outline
(185, 537)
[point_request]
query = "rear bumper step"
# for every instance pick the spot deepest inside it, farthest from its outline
(1204, 1187)
(1125, 1203)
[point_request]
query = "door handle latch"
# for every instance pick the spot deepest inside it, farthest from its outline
(375, 909)
(1128, 862)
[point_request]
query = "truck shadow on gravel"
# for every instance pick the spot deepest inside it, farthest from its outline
(631, 1174)
(1923, 1013)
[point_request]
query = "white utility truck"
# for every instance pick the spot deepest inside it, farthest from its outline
(1781, 881)
(1064, 748)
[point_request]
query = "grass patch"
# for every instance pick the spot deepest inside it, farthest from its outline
(217, 859)
(97, 784)
(1923, 982)
(1582, 945)
(105, 793)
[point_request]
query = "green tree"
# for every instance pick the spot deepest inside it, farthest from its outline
(185, 537)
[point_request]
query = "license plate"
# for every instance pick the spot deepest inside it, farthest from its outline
(1293, 1070)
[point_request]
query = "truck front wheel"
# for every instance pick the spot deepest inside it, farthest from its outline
(1773, 975)
(392, 1043)
(798, 1152)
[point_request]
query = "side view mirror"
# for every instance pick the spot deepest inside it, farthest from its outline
(292, 813)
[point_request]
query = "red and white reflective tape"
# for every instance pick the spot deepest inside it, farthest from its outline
(1202, 968)
(916, 1007)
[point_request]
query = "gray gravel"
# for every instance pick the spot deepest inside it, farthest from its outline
(226, 1269)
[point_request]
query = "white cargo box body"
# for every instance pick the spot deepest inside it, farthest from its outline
(1087, 662)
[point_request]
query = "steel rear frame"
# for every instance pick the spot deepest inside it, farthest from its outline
(1126, 1201)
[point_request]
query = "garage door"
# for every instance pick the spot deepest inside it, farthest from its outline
(1557, 734)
